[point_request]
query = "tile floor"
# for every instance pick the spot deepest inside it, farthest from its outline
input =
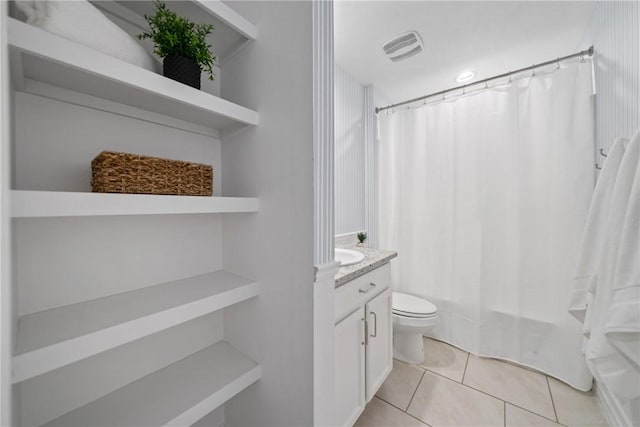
(455, 388)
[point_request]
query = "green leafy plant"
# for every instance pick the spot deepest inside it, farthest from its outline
(362, 236)
(175, 35)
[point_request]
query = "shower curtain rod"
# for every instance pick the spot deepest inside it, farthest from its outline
(586, 52)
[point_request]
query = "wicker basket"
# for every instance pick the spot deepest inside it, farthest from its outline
(132, 173)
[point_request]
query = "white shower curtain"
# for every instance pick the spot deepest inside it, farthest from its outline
(484, 197)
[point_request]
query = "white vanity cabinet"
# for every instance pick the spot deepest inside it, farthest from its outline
(363, 346)
(379, 351)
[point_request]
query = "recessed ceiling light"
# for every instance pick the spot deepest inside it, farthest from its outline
(465, 76)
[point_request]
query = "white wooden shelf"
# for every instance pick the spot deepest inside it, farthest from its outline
(41, 56)
(54, 338)
(34, 204)
(231, 30)
(178, 395)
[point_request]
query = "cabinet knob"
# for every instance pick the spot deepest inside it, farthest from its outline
(371, 286)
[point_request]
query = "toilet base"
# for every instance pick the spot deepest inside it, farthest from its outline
(408, 348)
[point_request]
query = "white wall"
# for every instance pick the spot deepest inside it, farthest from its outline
(614, 31)
(350, 157)
(273, 161)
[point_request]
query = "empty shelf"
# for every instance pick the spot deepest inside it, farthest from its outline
(30, 204)
(179, 394)
(54, 338)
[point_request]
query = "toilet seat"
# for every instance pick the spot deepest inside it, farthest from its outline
(405, 305)
(413, 318)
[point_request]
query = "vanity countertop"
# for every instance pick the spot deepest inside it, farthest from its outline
(373, 258)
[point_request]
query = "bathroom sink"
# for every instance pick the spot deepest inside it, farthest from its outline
(348, 257)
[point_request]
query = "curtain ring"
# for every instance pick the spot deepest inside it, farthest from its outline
(598, 166)
(509, 76)
(581, 58)
(558, 64)
(486, 85)
(533, 70)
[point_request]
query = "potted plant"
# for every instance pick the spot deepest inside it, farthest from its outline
(181, 43)
(362, 237)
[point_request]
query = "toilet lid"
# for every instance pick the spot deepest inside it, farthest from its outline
(411, 306)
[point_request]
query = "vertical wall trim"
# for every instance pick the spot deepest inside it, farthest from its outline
(614, 32)
(323, 131)
(370, 220)
(6, 295)
(323, 170)
(323, 181)
(350, 153)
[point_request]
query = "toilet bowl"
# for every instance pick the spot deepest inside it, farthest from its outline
(412, 318)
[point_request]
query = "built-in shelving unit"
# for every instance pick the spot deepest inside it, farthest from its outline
(34, 204)
(41, 56)
(97, 93)
(55, 338)
(178, 395)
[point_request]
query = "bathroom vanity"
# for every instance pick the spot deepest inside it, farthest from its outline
(363, 333)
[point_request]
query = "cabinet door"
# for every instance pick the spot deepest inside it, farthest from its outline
(349, 368)
(380, 348)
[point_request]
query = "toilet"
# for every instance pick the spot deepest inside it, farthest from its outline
(412, 318)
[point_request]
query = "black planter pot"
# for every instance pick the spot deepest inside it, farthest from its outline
(181, 69)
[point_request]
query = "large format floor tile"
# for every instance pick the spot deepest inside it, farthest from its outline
(444, 359)
(522, 387)
(575, 408)
(516, 417)
(380, 414)
(400, 384)
(493, 393)
(443, 402)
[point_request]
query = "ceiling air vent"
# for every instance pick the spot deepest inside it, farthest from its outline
(403, 46)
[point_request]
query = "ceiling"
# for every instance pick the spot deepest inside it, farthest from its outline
(489, 37)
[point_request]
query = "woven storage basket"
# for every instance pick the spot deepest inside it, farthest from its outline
(132, 173)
